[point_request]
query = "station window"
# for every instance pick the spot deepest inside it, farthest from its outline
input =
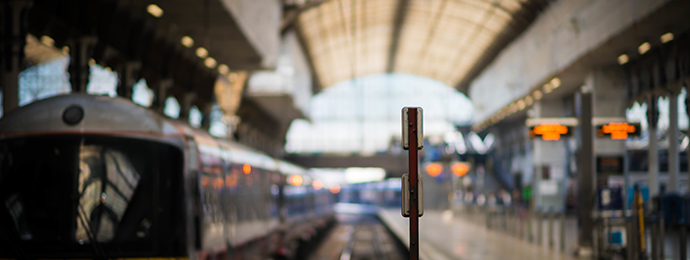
(44, 80)
(102, 81)
(142, 94)
(172, 107)
(195, 117)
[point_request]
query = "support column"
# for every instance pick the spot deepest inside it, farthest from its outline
(653, 151)
(673, 148)
(128, 76)
(205, 116)
(549, 160)
(586, 175)
(186, 100)
(81, 52)
(161, 89)
(12, 50)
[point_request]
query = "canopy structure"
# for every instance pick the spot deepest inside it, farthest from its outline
(446, 40)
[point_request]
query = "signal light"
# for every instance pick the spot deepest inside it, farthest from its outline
(246, 169)
(434, 169)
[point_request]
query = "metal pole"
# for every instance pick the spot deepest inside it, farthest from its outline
(539, 227)
(562, 231)
(413, 164)
(653, 153)
(551, 228)
(673, 148)
(683, 240)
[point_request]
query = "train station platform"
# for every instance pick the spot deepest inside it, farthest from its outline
(443, 237)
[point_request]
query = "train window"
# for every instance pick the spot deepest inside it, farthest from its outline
(63, 192)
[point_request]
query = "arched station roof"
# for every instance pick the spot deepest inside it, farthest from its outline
(446, 40)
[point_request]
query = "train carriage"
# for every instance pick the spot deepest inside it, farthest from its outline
(81, 168)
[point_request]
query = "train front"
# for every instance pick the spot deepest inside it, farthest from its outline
(76, 169)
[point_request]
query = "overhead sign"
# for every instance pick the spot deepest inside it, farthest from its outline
(460, 168)
(550, 131)
(619, 130)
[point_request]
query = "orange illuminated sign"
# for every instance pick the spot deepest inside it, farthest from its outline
(619, 130)
(460, 169)
(317, 184)
(335, 188)
(246, 168)
(549, 131)
(296, 180)
(434, 169)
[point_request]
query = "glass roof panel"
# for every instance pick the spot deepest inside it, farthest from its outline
(440, 39)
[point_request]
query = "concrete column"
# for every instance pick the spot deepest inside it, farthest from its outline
(586, 177)
(160, 89)
(673, 148)
(549, 160)
(186, 100)
(205, 116)
(128, 76)
(81, 52)
(653, 150)
(13, 34)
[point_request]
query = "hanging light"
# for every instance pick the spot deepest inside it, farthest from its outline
(155, 10)
(201, 52)
(187, 41)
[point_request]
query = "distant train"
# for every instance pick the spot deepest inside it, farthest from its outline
(81, 168)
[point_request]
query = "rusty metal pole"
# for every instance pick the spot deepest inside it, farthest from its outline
(414, 163)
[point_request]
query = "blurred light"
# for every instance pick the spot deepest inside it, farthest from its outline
(92, 62)
(623, 59)
(529, 100)
(108, 69)
(359, 175)
(335, 188)
(460, 169)
(317, 184)
(154, 10)
(47, 40)
(434, 169)
(667, 37)
(201, 52)
(548, 88)
(537, 95)
(187, 41)
(296, 180)
(644, 47)
(513, 108)
(521, 104)
(223, 69)
(65, 50)
(210, 62)
(246, 169)
(556, 82)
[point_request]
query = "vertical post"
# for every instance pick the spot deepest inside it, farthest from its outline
(551, 243)
(673, 153)
(652, 117)
(13, 33)
(561, 239)
(587, 176)
(413, 163)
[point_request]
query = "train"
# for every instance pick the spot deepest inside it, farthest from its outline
(98, 177)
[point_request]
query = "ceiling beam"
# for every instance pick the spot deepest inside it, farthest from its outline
(400, 15)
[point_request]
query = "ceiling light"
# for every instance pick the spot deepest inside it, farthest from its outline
(548, 88)
(529, 100)
(521, 104)
(537, 95)
(155, 10)
(65, 50)
(644, 47)
(47, 40)
(513, 108)
(623, 59)
(556, 82)
(667, 37)
(201, 52)
(223, 69)
(210, 62)
(187, 41)
(92, 62)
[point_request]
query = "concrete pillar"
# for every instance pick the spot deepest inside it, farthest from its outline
(13, 33)
(160, 90)
(653, 150)
(128, 77)
(205, 116)
(586, 177)
(81, 52)
(186, 100)
(549, 160)
(673, 148)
